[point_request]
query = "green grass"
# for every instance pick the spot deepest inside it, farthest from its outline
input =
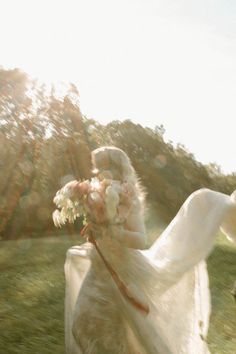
(32, 296)
(222, 275)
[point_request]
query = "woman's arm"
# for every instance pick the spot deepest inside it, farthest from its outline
(133, 233)
(133, 239)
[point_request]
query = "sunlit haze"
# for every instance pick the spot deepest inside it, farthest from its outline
(152, 61)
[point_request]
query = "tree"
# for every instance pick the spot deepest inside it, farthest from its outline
(45, 142)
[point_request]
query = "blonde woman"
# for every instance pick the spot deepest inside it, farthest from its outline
(168, 283)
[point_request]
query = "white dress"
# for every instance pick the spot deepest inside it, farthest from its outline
(171, 277)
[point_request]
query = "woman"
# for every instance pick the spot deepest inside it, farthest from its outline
(169, 279)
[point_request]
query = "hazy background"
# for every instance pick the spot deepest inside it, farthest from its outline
(151, 62)
(154, 62)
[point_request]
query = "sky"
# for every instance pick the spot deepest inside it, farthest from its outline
(170, 62)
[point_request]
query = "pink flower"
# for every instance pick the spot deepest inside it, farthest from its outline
(75, 189)
(96, 207)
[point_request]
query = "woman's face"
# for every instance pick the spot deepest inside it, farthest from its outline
(105, 168)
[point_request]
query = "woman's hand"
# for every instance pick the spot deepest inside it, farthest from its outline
(116, 232)
(131, 239)
(112, 231)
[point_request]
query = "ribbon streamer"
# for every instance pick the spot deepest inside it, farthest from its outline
(121, 286)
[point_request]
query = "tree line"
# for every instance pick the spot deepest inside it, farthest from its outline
(45, 142)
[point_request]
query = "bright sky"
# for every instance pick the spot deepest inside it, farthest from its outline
(170, 62)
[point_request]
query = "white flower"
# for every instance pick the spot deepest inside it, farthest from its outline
(58, 218)
(95, 183)
(67, 191)
(112, 201)
(60, 199)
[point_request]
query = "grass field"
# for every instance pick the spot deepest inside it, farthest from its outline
(32, 296)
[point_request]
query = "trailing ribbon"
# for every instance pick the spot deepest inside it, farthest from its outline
(121, 286)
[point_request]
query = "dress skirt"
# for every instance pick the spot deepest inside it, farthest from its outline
(170, 278)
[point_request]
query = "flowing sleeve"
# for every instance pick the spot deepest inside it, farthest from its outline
(190, 236)
(180, 305)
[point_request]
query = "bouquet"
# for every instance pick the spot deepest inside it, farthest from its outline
(103, 202)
